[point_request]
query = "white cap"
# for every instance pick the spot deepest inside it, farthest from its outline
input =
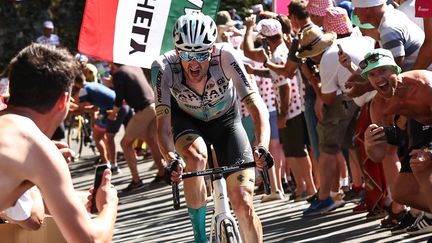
(367, 3)
(257, 8)
(48, 24)
(269, 27)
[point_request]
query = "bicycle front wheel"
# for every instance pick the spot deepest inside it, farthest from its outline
(228, 233)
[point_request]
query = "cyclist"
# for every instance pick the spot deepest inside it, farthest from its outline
(95, 96)
(196, 102)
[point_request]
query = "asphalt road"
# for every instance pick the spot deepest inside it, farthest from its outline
(147, 214)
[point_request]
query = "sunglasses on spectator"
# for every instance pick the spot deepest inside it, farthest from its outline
(189, 56)
(370, 59)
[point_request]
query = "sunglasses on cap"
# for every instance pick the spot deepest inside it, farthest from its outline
(370, 59)
(189, 56)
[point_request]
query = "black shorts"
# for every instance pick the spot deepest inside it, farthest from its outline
(294, 137)
(419, 136)
(225, 133)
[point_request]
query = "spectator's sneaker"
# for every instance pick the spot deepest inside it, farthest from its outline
(422, 226)
(312, 198)
(319, 207)
(158, 181)
(133, 186)
(406, 222)
(352, 196)
(277, 195)
(377, 213)
(338, 201)
(392, 219)
(115, 170)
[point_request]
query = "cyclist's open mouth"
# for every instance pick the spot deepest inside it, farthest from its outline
(195, 73)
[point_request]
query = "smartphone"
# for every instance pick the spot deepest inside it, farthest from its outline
(97, 181)
(340, 49)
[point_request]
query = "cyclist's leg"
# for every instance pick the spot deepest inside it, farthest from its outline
(193, 149)
(234, 147)
(190, 145)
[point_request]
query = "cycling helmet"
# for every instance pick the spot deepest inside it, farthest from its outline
(194, 32)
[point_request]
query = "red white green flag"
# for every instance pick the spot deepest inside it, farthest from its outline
(134, 32)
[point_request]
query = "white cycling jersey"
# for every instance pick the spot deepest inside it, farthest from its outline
(226, 70)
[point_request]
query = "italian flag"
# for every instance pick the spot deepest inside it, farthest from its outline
(134, 32)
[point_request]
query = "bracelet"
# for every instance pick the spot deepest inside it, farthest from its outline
(265, 63)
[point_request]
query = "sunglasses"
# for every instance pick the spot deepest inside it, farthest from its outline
(189, 56)
(370, 59)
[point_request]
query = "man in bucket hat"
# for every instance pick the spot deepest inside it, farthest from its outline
(407, 94)
(336, 129)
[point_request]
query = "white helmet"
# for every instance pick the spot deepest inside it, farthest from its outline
(194, 32)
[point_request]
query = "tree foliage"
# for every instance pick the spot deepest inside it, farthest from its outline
(241, 6)
(21, 23)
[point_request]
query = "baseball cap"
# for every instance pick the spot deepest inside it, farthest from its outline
(367, 3)
(48, 24)
(378, 58)
(269, 27)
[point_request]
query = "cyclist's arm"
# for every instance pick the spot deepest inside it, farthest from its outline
(248, 92)
(161, 82)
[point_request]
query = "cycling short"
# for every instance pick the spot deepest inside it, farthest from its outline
(225, 133)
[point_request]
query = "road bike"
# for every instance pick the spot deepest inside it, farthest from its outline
(79, 134)
(223, 227)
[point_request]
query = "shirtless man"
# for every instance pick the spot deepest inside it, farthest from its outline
(408, 93)
(40, 82)
(405, 94)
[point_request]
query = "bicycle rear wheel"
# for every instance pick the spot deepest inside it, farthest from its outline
(228, 233)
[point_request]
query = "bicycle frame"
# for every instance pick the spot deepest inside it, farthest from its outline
(222, 211)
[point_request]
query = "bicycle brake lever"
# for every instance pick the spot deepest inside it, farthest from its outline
(175, 186)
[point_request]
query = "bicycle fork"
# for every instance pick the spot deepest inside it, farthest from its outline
(222, 212)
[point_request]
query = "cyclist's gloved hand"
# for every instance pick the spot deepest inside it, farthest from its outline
(265, 159)
(174, 170)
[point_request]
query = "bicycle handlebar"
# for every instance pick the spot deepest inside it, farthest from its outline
(213, 171)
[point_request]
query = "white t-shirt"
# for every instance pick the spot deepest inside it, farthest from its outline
(333, 75)
(22, 208)
(408, 8)
(52, 40)
(279, 56)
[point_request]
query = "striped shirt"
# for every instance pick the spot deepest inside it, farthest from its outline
(401, 36)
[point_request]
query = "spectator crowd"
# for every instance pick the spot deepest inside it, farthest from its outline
(347, 85)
